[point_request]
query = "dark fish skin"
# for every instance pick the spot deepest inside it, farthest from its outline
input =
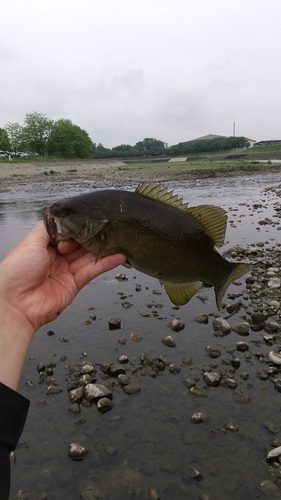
(157, 232)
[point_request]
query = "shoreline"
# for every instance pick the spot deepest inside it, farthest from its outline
(22, 173)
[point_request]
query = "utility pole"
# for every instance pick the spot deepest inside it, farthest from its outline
(233, 129)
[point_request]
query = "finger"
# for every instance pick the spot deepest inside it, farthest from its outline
(67, 246)
(91, 270)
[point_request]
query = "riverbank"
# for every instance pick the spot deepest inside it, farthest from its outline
(18, 173)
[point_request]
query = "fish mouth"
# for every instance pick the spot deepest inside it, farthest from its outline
(52, 225)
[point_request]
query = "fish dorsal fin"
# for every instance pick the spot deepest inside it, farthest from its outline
(156, 192)
(212, 219)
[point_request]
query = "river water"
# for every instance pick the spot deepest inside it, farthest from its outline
(147, 440)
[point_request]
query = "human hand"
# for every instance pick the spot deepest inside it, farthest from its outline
(38, 281)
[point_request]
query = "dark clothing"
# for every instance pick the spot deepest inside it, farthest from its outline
(13, 412)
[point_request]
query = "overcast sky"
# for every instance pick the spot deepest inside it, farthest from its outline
(124, 70)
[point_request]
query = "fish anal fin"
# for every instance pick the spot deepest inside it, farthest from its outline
(212, 219)
(156, 192)
(181, 293)
(238, 271)
(127, 264)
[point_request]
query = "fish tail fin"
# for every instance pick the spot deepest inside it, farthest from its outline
(236, 273)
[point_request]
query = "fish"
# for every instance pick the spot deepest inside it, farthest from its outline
(156, 230)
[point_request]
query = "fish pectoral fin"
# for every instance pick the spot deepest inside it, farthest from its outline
(127, 264)
(181, 293)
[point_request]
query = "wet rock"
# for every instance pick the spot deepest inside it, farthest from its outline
(187, 360)
(174, 368)
(230, 425)
(271, 427)
(235, 362)
(176, 325)
(241, 328)
(201, 318)
(188, 382)
(40, 367)
(123, 359)
(76, 451)
(90, 491)
(211, 378)
(242, 346)
(126, 305)
(168, 341)
(275, 357)
(277, 384)
(274, 454)
(75, 408)
(76, 395)
(116, 370)
(153, 494)
(54, 389)
(199, 417)
(121, 277)
(163, 359)
(114, 323)
(21, 495)
(122, 341)
(220, 324)
(196, 391)
(195, 474)
(231, 383)
(104, 405)
(87, 368)
(94, 392)
(244, 375)
(131, 389)
(269, 488)
(274, 283)
(135, 336)
(123, 379)
(149, 365)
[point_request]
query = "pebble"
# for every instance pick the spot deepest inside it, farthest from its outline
(230, 425)
(269, 488)
(211, 378)
(76, 451)
(242, 346)
(131, 389)
(114, 323)
(196, 391)
(94, 392)
(121, 277)
(274, 454)
(123, 359)
(174, 368)
(199, 417)
(54, 389)
(41, 367)
(168, 341)
(104, 405)
(241, 328)
(135, 336)
(201, 318)
(275, 357)
(220, 324)
(76, 395)
(153, 494)
(176, 325)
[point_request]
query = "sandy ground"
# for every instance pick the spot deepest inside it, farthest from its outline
(17, 173)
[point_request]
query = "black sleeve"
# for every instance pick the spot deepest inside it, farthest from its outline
(13, 412)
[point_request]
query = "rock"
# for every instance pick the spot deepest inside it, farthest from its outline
(176, 325)
(94, 392)
(174, 368)
(199, 417)
(114, 323)
(116, 370)
(75, 408)
(195, 474)
(40, 367)
(21, 495)
(131, 389)
(230, 425)
(275, 357)
(242, 346)
(123, 359)
(241, 328)
(220, 324)
(104, 405)
(153, 494)
(201, 318)
(122, 341)
(241, 396)
(123, 379)
(188, 382)
(76, 395)
(269, 488)
(196, 391)
(121, 277)
(135, 336)
(231, 383)
(211, 378)
(274, 283)
(274, 454)
(54, 389)
(76, 451)
(168, 341)
(87, 368)
(187, 360)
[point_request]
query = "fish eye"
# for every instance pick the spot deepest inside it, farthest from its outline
(65, 209)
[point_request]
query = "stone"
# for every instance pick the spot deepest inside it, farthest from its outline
(211, 378)
(94, 392)
(176, 325)
(131, 389)
(123, 379)
(76, 395)
(269, 488)
(174, 368)
(116, 370)
(168, 341)
(241, 328)
(76, 451)
(114, 323)
(201, 318)
(274, 454)
(220, 324)
(104, 405)
(54, 389)
(75, 408)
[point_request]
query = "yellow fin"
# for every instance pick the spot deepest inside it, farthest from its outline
(156, 192)
(212, 219)
(238, 271)
(127, 265)
(181, 293)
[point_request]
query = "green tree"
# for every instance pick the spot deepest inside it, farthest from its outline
(36, 131)
(14, 134)
(67, 140)
(150, 146)
(5, 144)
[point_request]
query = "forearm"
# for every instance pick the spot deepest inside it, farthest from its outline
(15, 338)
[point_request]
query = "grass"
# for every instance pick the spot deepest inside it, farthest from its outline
(192, 165)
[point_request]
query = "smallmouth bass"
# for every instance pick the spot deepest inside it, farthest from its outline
(158, 233)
